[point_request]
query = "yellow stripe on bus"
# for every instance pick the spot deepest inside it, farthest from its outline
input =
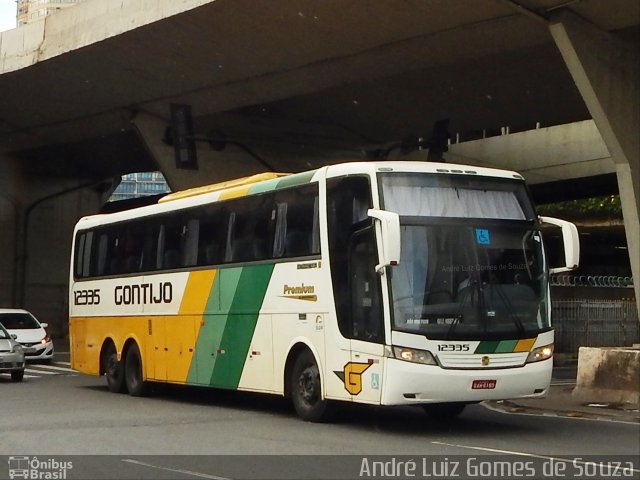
(196, 293)
(524, 345)
(235, 192)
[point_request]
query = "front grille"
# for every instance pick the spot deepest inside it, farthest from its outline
(474, 361)
(11, 364)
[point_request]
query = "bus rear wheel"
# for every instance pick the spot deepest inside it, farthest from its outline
(306, 389)
(133, 372)
(444, 411)
(113, 370)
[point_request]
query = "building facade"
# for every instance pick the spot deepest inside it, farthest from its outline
(136, 185)
(32, 10)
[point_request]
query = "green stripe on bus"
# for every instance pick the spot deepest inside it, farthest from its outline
(215, 320)
(266, 186)
(240, 325)
(506, 346)
(487, 347)
(297, 179)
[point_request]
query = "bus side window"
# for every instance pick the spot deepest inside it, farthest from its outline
(353, 256)
(249, 235)
(296, 229)
(211, 234)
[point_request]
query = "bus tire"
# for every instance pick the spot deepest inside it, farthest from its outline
(444, 411)
(306, 389)
(113, 370)
(133, 372)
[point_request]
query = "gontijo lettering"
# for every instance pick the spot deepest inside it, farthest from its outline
(144, 293)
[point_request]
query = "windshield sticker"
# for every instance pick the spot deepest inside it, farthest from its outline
(482, 236)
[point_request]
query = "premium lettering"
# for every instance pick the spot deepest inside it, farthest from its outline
(301, 290)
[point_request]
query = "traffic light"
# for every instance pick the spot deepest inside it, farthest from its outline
(184, 143)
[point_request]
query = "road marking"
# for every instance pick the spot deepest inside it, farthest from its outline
(572, 461)
(174, 470)
(68, 364)
(42, 372)
(53, 367)
(550, 414)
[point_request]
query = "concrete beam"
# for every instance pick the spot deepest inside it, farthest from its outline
(606, 71)
(212, 166)
(295, 153)
(543, 155)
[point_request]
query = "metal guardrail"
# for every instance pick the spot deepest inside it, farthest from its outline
(607, 281)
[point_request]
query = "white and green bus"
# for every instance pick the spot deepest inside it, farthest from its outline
(385, 283)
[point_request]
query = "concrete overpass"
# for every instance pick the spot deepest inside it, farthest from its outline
(86, 95)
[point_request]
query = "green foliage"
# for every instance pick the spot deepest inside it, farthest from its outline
(608, 207)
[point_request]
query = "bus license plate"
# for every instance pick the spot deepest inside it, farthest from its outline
(483, 384)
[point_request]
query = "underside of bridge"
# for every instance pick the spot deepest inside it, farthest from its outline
(291, 85)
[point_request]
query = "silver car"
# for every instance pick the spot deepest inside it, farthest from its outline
(11, 355)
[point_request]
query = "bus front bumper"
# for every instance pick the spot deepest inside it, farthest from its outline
(408, 383)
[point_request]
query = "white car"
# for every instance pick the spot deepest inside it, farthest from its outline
(29, 332)
(11, 356)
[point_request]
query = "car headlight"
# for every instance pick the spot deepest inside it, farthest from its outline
(17, 349)
(413, 355)
(540, 353)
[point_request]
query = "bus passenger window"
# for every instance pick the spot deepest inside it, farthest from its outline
(296, 229)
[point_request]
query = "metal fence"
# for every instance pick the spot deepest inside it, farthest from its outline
(594, 323)
(605, 281)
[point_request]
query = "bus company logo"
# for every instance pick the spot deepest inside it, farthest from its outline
(143, 294)
(35, 469)
(351, 376)
(301, 292)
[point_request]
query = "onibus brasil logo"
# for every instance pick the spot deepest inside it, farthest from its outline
(38, 469)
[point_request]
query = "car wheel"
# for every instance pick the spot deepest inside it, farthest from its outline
(133, 372)
(17, 375)
(444, 411)
(113, 370)
(306, 390)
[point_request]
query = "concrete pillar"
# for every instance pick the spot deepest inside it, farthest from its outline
(37, 216)
(606, 71)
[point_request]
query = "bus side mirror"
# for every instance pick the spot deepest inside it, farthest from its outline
(570, 241)
(390, 235)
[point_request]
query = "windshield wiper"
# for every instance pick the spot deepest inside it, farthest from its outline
(507, 303)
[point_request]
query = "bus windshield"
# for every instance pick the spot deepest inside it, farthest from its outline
(472, 264)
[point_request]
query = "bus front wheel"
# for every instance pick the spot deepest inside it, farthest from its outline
(306, 389)
(113, 370)
(133, 372)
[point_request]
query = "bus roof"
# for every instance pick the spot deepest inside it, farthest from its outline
(215, 187)
(241, 186)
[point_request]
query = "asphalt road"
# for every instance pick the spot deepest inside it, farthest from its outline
(200, 433)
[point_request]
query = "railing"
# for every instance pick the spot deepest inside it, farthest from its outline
(594, 323)
(609, 281)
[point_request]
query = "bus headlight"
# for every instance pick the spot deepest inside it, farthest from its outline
(414, 356)
(540, 353)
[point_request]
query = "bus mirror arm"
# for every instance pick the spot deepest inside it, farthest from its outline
(571, 242)
(390, 237)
